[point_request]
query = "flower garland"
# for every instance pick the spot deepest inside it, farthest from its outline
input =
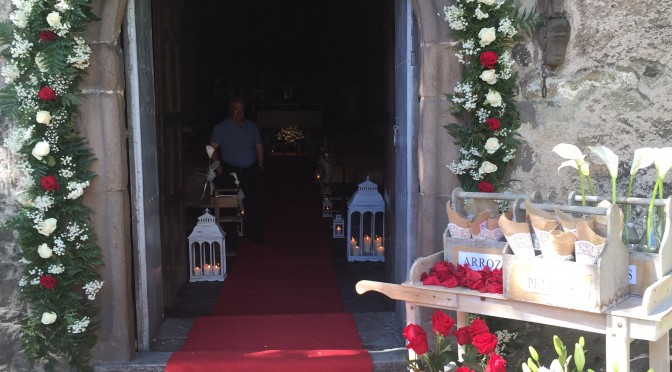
(44, 62)
(486, 31)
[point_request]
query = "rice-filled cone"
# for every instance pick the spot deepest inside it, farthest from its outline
(456, 218)
(475, 225)
(585, 232)
(539, 219)
(562, 242)
(517, 235)
(569, 222)
(510, 227)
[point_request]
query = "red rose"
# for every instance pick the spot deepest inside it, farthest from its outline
(463, 336)
(496, 364)
(47, 94)
(485, 186)
(442, 323)
(464, 369)
(485, 343)
(48, 281)
(417, 339)
(47, 35)
(493, 124)
(488, 59)
(49, 183)
(477, 327)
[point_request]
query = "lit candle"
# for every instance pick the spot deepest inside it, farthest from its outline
(207, 269)
(378, 242)
(356, 251)
(216, 270)
(380, 250)
(197, 270)
(353, 243)
(338, 229)
(366, 249)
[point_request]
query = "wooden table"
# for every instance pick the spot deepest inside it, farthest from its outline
(647, 317)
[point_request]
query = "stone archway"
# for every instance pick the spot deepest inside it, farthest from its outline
(104, 114)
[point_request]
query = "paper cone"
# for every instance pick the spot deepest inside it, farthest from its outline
(475, 225)
(487, 205)
(458, 225)
(562, 243)
(517, 235)
(586, 233)
(480, 228)
(569, 222)
(540, 220)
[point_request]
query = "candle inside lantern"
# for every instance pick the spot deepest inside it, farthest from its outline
(378, 242)
(338, 229)
(356, 251)
(216, 270)
(207, 269)
(197, 270)
(366, 248)
(380, 250)
(353, 243)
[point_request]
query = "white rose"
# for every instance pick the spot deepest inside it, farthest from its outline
(487, 2)
(48, 318)
(44, 251)
(54, 19)
(41, 149)
(489, 76)
(43, 117)
(492, 145)
(487, 36)
(487, 167)
(493, 98)
(47, 226)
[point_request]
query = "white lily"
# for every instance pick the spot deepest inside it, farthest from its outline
(663, 161)
(611, 161)
(210, 150)
(575, 160)
(642, 158)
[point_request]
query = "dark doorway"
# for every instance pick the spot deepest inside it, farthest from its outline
(325, 66)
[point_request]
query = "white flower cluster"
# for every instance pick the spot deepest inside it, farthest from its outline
(66, 170)
(454, 15)
(62, 6)
(480, 14)
(510, 154)
(463, 166)
(92, 288)
(482, 114)
(10, 71)
(26, 97)
(76, 189)
(505, 63)
(23, 281)
(506, 27)
(23, 10)
(464, 96)
(17, 138)
(81, 53)
(56, 269)
(59, 83)
(51, 136)
(43, 203)
(59, 247)
(73, 231)
(469, 47)
(80, 325)
(20, 47)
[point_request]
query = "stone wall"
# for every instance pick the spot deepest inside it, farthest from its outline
(612, 90)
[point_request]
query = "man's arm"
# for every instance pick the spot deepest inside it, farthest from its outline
(260, 155)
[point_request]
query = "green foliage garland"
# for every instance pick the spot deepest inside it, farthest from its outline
(486, 31)
(45, 59)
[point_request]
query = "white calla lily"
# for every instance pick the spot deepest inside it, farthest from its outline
(568, 163)
(663, 161)
(210, 150)
(608, 157)
(611, 161)
(568, 151)
(642, 158)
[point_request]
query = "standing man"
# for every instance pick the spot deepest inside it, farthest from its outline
(237, 143)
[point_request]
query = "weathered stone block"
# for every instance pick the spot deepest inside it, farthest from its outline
(106, 72)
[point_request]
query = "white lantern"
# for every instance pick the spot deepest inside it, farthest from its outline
(207, 251)
(366, 224)
(338, 227)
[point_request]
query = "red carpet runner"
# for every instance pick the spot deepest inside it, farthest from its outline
(280, 308)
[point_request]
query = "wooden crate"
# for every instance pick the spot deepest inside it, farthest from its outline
(569, 284)
(476, 253)
(644, 269)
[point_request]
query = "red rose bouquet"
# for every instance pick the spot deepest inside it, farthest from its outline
(477, 344)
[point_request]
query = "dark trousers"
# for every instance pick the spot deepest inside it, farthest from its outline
(251, 182)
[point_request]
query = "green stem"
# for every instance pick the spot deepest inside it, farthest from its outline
(627, 193)
(590, 185)
(613, 191)
(583, 190)
(649, 215)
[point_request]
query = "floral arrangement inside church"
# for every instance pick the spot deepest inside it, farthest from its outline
(45, 58)
(485, 32)
(290, 135)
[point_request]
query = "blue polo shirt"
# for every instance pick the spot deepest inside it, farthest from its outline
(237, 145)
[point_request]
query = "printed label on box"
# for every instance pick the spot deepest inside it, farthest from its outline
(557, 286)
(477, 261)
(632, 274)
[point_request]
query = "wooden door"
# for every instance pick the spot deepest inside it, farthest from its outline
(167, 80)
